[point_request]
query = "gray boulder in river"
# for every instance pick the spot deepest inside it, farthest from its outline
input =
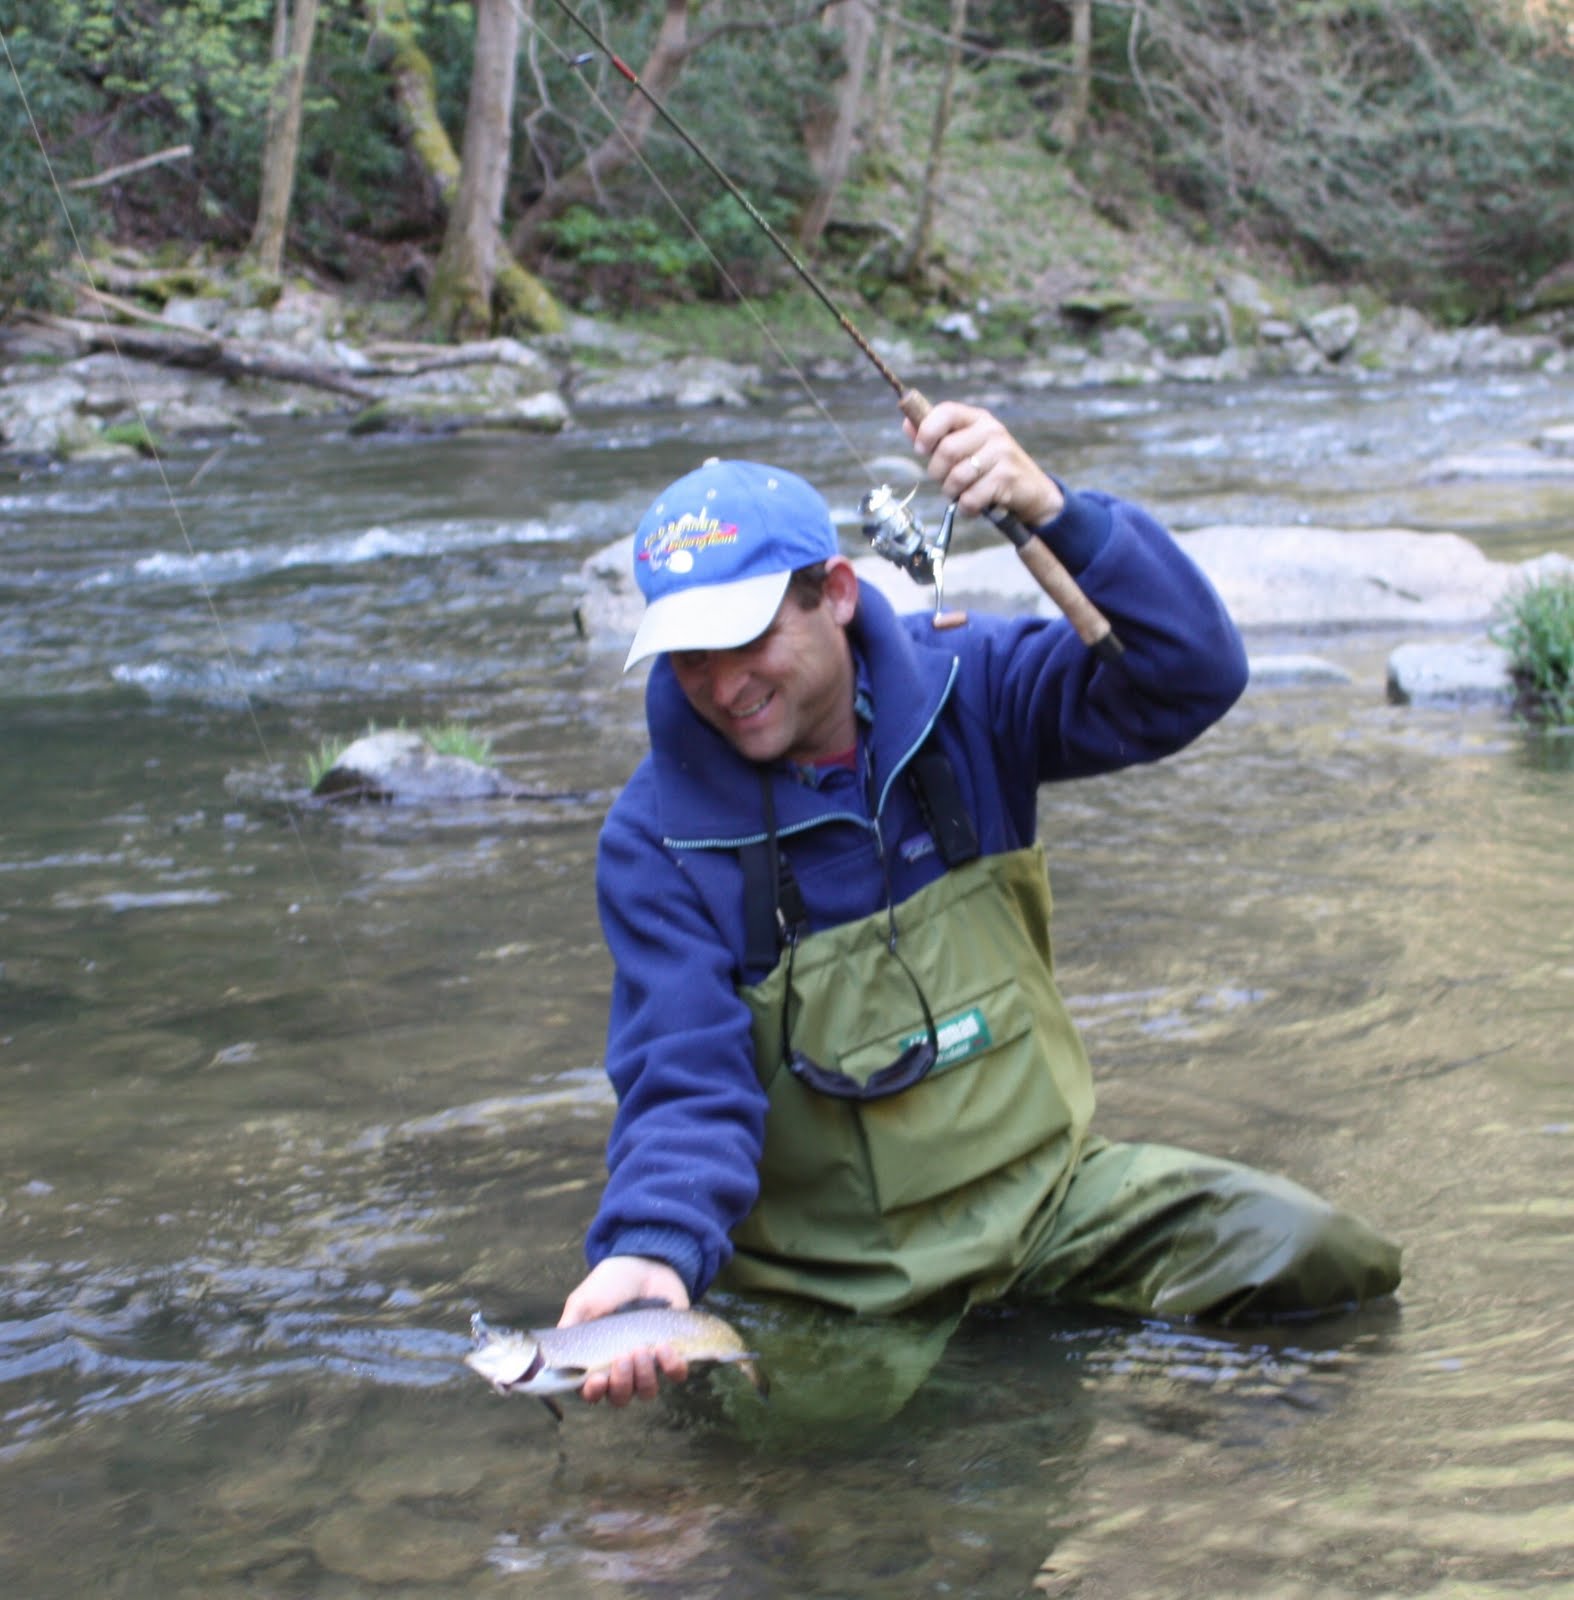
(1280, 580)
(397, 765)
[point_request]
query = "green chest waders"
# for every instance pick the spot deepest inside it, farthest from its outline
(876, 1205)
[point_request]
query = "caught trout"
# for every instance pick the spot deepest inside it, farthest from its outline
(549, 1361)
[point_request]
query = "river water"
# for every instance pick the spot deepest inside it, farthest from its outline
(286, 1094)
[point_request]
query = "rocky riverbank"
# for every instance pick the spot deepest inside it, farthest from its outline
(188, 354)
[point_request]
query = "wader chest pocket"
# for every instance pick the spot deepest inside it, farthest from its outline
(991, 1099)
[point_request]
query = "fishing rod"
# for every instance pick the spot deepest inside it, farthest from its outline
(890, 525)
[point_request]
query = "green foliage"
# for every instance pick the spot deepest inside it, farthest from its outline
(205, 61)
(107, 81)
(744, 330)
(454, 739)
(115, 79)
(39, 153)
(632, 259)
(1538, 633)
(638, 243)
(744, 100)
(1421, 146)
(324, 759)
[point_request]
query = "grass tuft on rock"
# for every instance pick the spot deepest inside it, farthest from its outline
(1538, 633)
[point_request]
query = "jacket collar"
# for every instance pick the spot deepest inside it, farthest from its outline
(709, 795)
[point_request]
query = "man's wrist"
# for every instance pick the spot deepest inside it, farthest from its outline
(670, 1246)
(1078, 531)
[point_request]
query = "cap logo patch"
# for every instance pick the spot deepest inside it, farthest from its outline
(675, 544)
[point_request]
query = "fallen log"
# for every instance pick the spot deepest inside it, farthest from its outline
(206, 352)
(411, 359)
(151, 283)
(106, 301)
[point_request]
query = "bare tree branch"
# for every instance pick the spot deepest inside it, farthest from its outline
(176, 152)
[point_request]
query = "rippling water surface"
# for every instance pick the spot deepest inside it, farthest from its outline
(286, 1094)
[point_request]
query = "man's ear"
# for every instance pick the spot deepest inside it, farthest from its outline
(841, 589)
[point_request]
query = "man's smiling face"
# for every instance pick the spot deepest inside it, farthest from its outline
(788, 692)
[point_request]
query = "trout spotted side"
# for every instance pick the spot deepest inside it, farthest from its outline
(549, 1361)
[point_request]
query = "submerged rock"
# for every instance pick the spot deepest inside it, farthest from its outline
(610, 604)
(406, 1547)
(427, 413)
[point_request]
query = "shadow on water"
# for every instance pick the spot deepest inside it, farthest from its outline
(285, 1096)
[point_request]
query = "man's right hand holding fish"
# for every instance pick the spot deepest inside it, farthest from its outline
(613, 1283)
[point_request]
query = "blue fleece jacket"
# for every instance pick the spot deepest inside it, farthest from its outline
(1014, 702)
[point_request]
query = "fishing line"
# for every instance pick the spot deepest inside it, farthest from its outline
(666, 193)
(720, 174)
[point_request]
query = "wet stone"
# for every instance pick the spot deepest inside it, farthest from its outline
(414, 1477)
(1271, 670)
(1449, 673)
(395, 1547)
(268, 1561)
(397, 765)
(1558, 440)
(273, 1488)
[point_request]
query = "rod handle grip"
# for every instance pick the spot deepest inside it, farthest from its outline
(1091, 624)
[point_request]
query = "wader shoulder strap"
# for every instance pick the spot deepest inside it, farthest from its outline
(773, 904)
(939, 798)
(772, 901)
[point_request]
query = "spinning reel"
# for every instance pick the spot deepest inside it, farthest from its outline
(894, 531)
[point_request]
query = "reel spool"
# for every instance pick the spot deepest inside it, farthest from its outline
(894, 531)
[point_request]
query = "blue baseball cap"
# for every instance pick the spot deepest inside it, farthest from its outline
(714, 553)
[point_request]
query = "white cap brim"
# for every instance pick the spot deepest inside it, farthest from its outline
(717, 616)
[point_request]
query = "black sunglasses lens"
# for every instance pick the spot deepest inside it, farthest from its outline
(912, 1066)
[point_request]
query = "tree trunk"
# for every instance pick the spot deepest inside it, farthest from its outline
(830, 142)
(918, 246)
(618, 149)
(293, 28)
(461, 298)
(522, 299)
(1072, 116)
(415, 95)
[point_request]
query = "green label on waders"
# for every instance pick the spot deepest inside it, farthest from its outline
(961, 1037)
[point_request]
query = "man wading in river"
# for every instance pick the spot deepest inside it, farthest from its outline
(842, 1065)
